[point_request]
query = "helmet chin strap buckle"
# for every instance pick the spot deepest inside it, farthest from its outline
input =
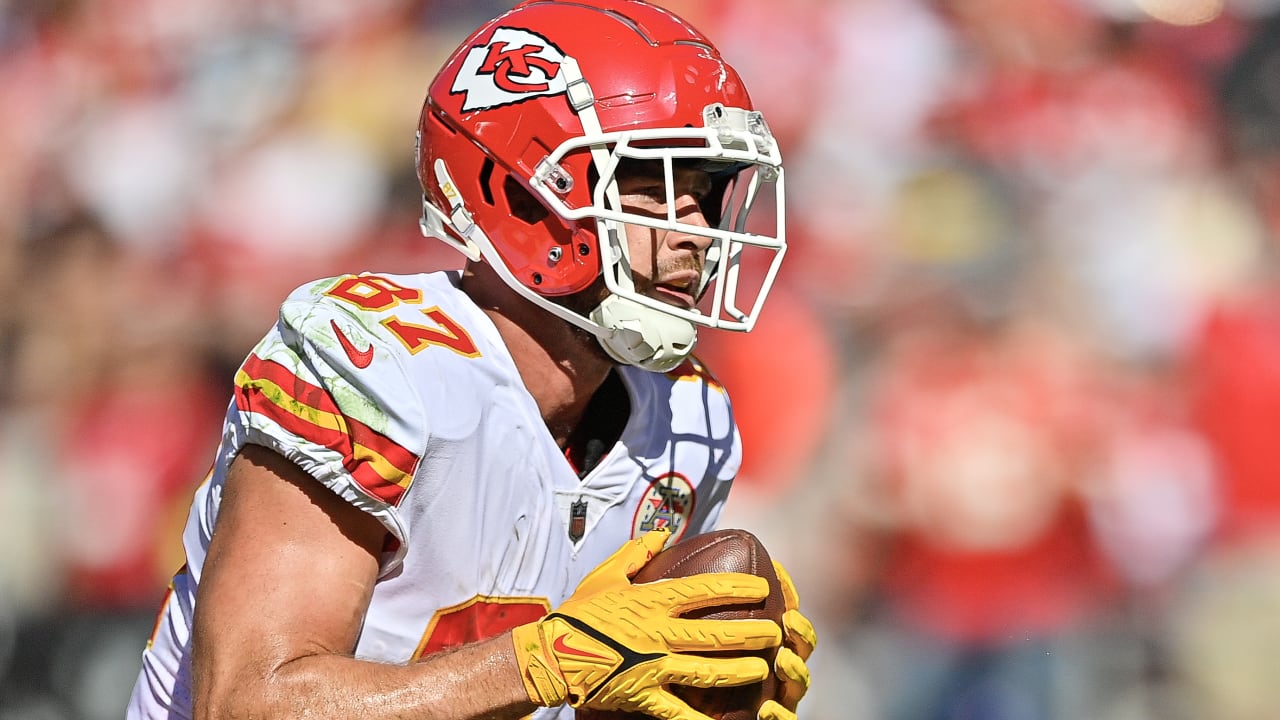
(634, 334)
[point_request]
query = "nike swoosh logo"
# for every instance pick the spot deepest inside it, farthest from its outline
(560, 646)
(359, 358)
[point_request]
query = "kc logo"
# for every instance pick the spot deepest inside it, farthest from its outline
(515, 65)
(511, 69)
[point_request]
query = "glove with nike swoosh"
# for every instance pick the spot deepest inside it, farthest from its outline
(614, 645)
(797, 646)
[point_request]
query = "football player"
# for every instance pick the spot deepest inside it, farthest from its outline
(417, 469)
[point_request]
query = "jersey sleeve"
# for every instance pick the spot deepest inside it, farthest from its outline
(324, 390)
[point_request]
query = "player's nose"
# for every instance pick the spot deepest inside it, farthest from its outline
(689, 212)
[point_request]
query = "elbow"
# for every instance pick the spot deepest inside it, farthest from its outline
(231, 695)
(223, 703)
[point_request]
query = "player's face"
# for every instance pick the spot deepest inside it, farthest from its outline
(666, 264)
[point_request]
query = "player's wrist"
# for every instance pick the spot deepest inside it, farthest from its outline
(538, 669)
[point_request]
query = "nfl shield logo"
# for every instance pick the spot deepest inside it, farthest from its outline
(577, 519)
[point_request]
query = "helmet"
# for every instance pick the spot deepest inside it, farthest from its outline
(520, 140)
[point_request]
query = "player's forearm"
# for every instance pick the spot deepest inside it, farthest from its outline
(475, 681)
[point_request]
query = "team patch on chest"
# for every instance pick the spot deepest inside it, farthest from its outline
(667, 503)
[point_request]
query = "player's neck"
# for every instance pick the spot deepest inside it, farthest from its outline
(561, 366)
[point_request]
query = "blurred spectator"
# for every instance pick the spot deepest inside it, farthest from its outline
(1226, 627)
(980, 439)
(137, 441)
(1238, 400)
(1155, 494)
(1225, 631)
(107, 370)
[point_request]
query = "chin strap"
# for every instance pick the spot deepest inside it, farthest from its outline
(641, 336)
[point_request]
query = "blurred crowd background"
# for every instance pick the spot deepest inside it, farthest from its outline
(1012, 412)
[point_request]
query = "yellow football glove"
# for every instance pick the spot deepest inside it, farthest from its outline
(789, 666)
(614, 645)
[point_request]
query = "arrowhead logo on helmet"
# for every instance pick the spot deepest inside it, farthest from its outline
(513, 66)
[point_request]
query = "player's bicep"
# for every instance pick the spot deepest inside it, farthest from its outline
(289, 573)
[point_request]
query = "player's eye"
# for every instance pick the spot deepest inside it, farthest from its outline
(654, 193)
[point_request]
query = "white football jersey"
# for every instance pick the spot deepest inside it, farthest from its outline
(397, 393)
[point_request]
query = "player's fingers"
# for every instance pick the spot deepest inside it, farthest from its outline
(634, 554)
(624, 563)
(695, 592)
(773, 710)
(794, 674)
(707, 672)
(791, 598)
(663, 705)
(643, 548)
(801, 636)
(704, 636)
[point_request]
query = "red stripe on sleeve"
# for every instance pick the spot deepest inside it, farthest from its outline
(251, 399)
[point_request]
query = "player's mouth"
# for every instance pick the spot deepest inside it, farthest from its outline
(679, 288)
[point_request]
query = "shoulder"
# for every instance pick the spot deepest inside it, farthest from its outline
(694, 370)
(691, 379)
(373, 296)
(341, 345)
(695, 400)
(332, 388)
(683, 425)
(368, 316)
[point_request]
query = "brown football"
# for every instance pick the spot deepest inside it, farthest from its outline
(729, 550)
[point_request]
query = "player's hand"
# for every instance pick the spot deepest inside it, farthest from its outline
(614, 645)
(790, 667)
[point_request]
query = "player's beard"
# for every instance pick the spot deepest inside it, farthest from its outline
(584, 303)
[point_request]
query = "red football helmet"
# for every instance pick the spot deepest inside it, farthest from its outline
(521, 136)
